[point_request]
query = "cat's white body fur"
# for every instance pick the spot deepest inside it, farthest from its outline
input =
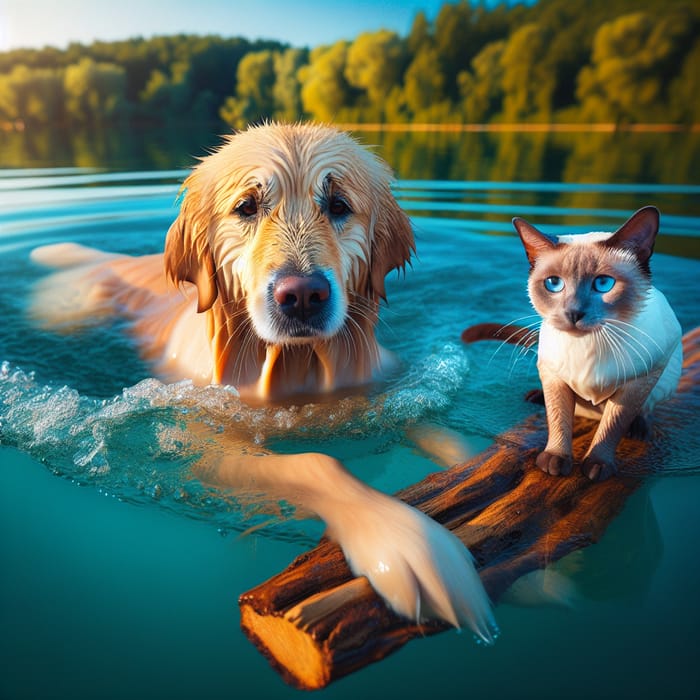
(594, 374)
(609, 342)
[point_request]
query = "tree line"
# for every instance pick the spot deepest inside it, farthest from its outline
(581, 61)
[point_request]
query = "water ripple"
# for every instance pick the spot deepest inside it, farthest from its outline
(134, 442)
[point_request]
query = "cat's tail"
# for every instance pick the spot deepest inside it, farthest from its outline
(508, 333)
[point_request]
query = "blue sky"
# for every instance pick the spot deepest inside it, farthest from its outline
(36, 23)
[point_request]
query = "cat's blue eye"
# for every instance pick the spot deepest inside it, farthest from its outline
(603, 283)
(554, 284)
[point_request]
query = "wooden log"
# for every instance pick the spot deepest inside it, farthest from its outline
(315, 622)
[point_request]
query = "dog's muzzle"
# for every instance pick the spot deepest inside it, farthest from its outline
(301, 304)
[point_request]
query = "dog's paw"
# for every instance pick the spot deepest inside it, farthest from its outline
(420, 569)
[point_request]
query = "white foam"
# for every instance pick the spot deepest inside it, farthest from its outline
(139, 446)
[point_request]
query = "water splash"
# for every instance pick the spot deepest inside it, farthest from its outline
(139, 446)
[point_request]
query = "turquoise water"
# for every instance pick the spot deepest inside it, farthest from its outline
(121, 574)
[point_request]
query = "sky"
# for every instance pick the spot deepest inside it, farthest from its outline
(38, 23)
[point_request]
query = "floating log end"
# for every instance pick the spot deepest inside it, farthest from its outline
(297, 657)
(329, 634)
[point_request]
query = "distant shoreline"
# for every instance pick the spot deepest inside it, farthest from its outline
(536, 128)
(428, 127)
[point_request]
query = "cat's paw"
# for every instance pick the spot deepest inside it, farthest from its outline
(420, 568)
(598, 469)
(556, 465)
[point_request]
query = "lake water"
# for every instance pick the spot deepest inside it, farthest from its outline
(120, 576)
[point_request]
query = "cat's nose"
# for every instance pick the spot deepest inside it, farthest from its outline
(574, 316)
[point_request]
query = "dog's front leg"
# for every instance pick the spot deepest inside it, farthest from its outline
(420, 569)
(445, 446)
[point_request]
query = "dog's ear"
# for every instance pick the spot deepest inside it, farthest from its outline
(392, 243)
(187, 255)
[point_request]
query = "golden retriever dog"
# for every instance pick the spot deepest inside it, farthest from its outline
(270, 281)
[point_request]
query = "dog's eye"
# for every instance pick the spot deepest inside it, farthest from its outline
(338, 207)
(247, 207)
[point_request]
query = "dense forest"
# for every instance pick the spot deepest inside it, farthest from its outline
(572, 61)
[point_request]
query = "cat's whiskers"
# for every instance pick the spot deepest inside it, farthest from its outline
(523, 350)
(631, 341)
(607, 339)
(623, 346)
(525, 345)
(618, 322)
(529, 341)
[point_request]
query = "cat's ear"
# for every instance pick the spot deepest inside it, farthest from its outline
(533, 239)
(638, 234)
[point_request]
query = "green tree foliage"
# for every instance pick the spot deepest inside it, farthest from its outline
(254, 92)
(424, 86)
(482, 87)
(31, 95)
(266, 88)
(287, 90)
(94, 91)
(527, 85)
(684, 92)
(164, 78)
(325, 92)
(375, 64)
(550, 60)
(420, 34)
(167, 93)
(631, 55)
(454, 41)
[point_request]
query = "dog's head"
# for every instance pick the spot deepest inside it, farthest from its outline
(297, 222)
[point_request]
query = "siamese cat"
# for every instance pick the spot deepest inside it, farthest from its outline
(609, 343)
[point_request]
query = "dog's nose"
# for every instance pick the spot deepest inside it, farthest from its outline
(302, 296)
